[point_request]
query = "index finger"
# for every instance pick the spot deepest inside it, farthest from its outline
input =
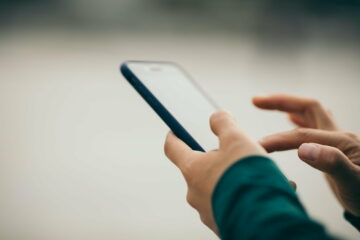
(294, 138)
(283, 102)
(305, 112)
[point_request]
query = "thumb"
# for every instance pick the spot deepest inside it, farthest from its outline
(326, 159)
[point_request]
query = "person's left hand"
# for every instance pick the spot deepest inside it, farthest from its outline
(320, 143)
(202, 170)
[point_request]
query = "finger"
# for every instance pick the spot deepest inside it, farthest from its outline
(283, 102)
(327, 159)
(176, 150)
(223, 125)
(307, 110)
(294, 138)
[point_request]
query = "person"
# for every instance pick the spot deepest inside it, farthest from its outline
(240, 193)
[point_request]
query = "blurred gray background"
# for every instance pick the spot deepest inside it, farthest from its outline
(81, 153)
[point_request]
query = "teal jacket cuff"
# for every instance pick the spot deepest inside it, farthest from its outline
(353, 220)
(253, 200)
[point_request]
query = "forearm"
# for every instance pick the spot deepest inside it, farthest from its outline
(253, 200)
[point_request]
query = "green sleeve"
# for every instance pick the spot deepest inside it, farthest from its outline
(353, 220)
(253, 200)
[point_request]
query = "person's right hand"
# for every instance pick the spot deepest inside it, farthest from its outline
(320, 144)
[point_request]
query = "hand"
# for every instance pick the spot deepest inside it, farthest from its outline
(320, 144)
(202, 170)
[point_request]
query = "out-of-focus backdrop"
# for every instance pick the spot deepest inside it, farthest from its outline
(81, 153)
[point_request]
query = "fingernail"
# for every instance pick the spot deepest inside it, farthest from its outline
(309, 151)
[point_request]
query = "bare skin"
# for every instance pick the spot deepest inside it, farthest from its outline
(202, 170)
(320, 143)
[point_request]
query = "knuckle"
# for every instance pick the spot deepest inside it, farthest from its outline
(334, 154)
(167, 148)
(190, 199)
(204, 220)
(335, 159)
(186, 171)
(189, 170)
(350, 135)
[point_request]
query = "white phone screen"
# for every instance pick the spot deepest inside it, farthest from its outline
(178, 94)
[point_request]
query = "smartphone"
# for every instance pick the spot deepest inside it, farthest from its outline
(176, 98)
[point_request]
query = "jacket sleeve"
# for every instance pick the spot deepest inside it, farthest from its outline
(253, 200)
(353, 220)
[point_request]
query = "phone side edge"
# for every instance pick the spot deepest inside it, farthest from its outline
(159, 108)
